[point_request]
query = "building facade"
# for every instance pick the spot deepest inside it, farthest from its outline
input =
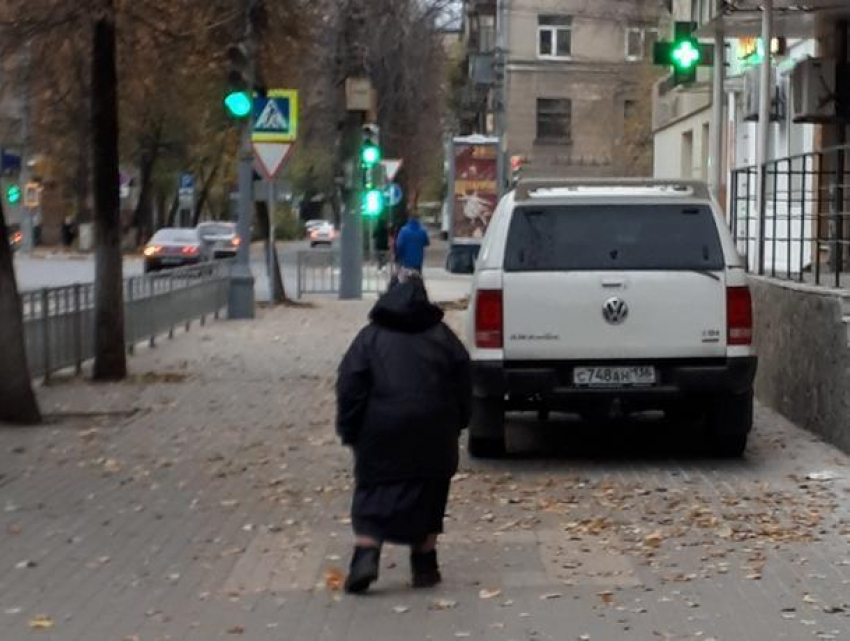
(567, 77)
(783, 162)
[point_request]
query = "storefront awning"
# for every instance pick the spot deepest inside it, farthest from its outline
(742, 18)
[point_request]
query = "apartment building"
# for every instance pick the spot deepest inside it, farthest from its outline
(566, 77)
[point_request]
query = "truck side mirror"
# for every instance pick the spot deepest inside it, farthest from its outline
(460, 260)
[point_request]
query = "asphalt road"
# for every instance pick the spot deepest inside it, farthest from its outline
(58, 269)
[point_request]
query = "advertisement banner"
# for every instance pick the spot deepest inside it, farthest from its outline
(475, 188)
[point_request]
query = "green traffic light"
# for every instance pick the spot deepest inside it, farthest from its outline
(686, 55)
(13, 194)
(373, 203)
(371, 154)
(238, 104)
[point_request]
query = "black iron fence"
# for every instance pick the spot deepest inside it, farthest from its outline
(799, 229)
(59, 321)
(319, 272)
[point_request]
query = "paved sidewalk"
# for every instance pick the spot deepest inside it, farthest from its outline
(207, 497)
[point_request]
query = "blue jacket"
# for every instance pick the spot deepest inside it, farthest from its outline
(410, 245)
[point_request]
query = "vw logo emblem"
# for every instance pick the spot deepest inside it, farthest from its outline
(615, 311)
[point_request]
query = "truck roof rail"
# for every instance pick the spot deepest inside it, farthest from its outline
(532, 188)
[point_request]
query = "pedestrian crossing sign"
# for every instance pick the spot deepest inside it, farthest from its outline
(276, 116)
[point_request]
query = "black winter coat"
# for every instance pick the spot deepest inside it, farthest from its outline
(404, 391)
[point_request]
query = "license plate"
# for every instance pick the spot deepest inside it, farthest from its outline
(170, 261)
(613, 376)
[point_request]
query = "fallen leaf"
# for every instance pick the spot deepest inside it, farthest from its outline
(808, 598)
(654, 540)
(401, 609)
(489, 594)
(607, 597)
(334, 579)
(236, 629)
(443, 604)
(550, 596)
(463, 635)
(14, 530)
(41, 622)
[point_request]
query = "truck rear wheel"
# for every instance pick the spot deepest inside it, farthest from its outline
(730, 420)
(487, 428)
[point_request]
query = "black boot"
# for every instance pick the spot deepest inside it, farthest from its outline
(364, 569)
(426, 572)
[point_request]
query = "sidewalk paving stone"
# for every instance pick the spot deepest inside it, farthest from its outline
(207, 498)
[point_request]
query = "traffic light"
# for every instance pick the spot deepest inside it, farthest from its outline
(13, 194)
(370, 154)
(373, 203)
(370, 160)
(684, 54)
(370, 150)
(237, 99)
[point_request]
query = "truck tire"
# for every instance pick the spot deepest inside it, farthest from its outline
(487, 428)
(730, 420)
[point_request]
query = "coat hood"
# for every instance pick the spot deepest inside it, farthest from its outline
(406, 308)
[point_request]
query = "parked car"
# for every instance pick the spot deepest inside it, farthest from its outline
(310, 225)
(610, 298)
(16, 237)
(173, 247)
(220, 239)
(323, 234)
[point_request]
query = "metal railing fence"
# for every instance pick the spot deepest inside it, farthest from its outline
(59, 321)
(802, 231)
(318, 272)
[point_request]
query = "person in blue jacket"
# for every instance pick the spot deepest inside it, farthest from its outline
(410, 245)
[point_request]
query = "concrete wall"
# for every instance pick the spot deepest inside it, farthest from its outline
(801, 334)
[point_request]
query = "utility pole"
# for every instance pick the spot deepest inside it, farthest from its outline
(241, 299)
(351, 237)
(500, 74)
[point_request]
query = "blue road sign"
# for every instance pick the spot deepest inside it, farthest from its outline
(394, 194)
(10, 163)
(276, 116)
(187, 182)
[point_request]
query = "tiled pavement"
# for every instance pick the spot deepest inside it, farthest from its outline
(206, 498)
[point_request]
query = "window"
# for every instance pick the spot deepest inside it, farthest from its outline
(640, 42)
(613, 237)
(554, 117)
(554, 36)
(487, 34)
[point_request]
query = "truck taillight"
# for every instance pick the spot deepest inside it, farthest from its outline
(739, 316)
(488, 319)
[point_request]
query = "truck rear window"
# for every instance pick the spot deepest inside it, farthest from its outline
(613, 237)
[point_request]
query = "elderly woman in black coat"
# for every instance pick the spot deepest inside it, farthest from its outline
(403, 397)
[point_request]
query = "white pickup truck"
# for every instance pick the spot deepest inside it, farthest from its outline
(610, 297)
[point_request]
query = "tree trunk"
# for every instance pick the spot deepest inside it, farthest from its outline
(110, 361)
(208, 183)
(261, 211)
(143, 215)
(17, 400)
(172, 211)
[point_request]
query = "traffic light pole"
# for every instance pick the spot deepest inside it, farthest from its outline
(351, 236)
(240, 304)
(241, 299)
